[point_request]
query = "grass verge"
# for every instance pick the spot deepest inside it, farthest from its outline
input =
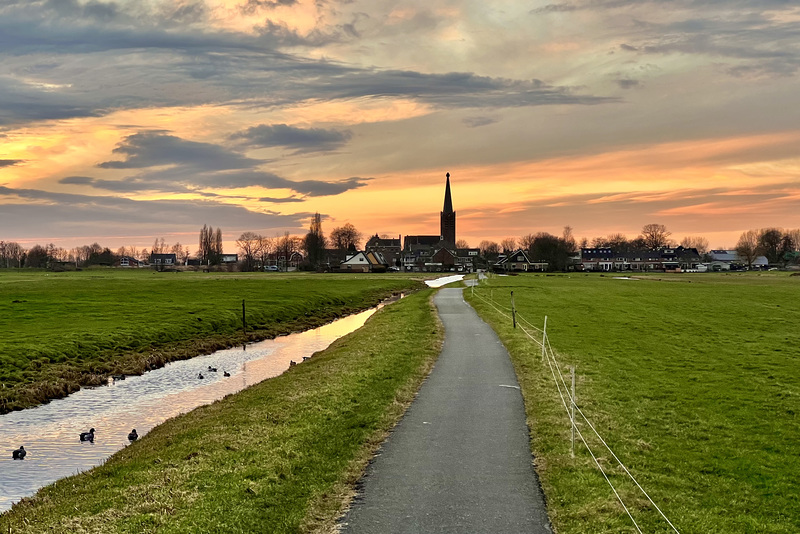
(693, 380)
(280, 456)
(62, 331)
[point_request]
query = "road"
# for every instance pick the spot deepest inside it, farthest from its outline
(459, 460)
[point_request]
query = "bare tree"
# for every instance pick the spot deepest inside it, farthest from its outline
(345, 237)
(655, 236)
(462, 243)
(509, 244)
(266, 246)
(314, 242)
(285, 247)
(249, 244)
(569, 240)
(489, 248)
(526, 241)
(695, 242)
(747, 246)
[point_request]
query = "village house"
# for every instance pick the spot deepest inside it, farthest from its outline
(365, 262)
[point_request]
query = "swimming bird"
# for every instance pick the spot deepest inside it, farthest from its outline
(19, 454)
(200, 376)
(212, 369)
(133, 436)
(88, 436)
(225, 373)
(118, 377)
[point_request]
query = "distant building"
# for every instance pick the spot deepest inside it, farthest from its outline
(163, 260)
(419, 250)
(388, 247)
(365, 262)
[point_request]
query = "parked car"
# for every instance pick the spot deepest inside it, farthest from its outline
(271, 268)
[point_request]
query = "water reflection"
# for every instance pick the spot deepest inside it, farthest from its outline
(439, 282)
(50, 433)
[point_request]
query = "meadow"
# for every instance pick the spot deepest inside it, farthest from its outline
(692, 380)
(65, 330)
(282, 456)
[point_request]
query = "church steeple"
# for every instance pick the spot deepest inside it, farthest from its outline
(448, 217)
(448, 202)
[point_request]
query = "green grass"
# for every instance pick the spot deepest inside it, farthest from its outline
(281, 456)
(65, 330)
(694, 382)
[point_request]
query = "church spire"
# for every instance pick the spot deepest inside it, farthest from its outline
(448, 202)
(448, 218)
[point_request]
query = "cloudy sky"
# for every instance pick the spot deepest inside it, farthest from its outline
(122, 121)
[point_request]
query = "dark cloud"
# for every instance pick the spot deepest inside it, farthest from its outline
(155, 149)
(173, 165)
(9, 162)
(253, 6)
(476, 122)
(280, 200)
(42, 213)
(627, 83)
(300, 139)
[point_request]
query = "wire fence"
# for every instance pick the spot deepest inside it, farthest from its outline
(539, 337)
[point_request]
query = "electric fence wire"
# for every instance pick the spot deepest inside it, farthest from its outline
(554, 366)
(550, 362)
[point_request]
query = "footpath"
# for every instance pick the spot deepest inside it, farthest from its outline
(459, 461)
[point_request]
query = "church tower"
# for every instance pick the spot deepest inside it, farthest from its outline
(448, 217)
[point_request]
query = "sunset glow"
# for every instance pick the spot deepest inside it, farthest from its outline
(122, 122)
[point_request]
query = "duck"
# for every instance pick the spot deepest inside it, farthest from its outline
(200, 376)
(225, 373)
(212, 369)
(88, 436)
(118, 377)
(19, 454)
(292, 363)
(133, 436)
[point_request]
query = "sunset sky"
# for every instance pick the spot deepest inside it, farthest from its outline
(125, 121)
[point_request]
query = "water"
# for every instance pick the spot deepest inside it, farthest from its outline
(50, 432)
(439, 282)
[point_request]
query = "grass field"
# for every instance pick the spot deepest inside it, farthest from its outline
(694, 382)
(65, 330)
(281, 456)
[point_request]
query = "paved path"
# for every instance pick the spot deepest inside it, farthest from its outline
(459, 461)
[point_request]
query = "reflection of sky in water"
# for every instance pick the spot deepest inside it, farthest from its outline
(50, 432)
(439, 282)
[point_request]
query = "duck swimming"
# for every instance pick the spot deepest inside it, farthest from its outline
(88, 436)
(19, 454)
(212, 369)
(225, 373)
(133, 436)
(200, 376)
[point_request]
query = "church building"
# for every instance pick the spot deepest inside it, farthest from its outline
(447, 227)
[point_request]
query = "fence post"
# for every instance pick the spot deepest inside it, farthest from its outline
(513, 311)
(544, 340)
(572, 410)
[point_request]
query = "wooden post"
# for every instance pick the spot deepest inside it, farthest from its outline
(244, 320)
(513, 311)
(572, 406)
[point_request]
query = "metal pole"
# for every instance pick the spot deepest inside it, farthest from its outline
(572, 415)
(513, 311)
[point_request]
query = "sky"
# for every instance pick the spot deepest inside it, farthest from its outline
(126, 121)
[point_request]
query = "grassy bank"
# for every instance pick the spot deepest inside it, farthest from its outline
(66, 330)
(693, 380)
(280, 456)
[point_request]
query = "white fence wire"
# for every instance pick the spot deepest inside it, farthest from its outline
(568, 400)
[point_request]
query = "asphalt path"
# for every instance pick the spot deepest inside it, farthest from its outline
(459, 460)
